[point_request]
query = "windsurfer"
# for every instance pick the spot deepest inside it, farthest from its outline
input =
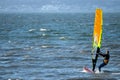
(105, 61)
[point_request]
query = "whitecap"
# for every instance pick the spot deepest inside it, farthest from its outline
(28, 48)
(43, 29)
(116, 73)
(9, 41)
(30, 30)
(43, 34)
(44, 46)
(62, 38)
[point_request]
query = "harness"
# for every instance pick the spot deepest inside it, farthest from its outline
(105, 61)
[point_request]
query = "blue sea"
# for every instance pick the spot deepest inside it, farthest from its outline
(56, 46)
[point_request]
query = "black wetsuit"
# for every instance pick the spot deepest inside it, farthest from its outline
(105, 61)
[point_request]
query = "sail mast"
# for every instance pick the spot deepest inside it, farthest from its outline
(97, 36)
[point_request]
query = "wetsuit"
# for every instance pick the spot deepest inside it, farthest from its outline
(105, 61)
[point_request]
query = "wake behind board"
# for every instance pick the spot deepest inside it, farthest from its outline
(87, 70)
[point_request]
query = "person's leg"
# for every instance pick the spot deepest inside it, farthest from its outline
(101, 65)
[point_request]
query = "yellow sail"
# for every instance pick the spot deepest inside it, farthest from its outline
(97, 34)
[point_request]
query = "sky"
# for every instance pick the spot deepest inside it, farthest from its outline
(59, 6)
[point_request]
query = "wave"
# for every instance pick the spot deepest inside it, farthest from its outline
(43, 29)
(31, 30)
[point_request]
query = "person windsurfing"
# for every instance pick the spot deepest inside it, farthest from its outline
(106, 59)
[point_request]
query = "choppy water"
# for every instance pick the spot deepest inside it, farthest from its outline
(55, 46)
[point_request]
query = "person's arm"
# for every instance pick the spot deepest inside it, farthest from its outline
(100, 53)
